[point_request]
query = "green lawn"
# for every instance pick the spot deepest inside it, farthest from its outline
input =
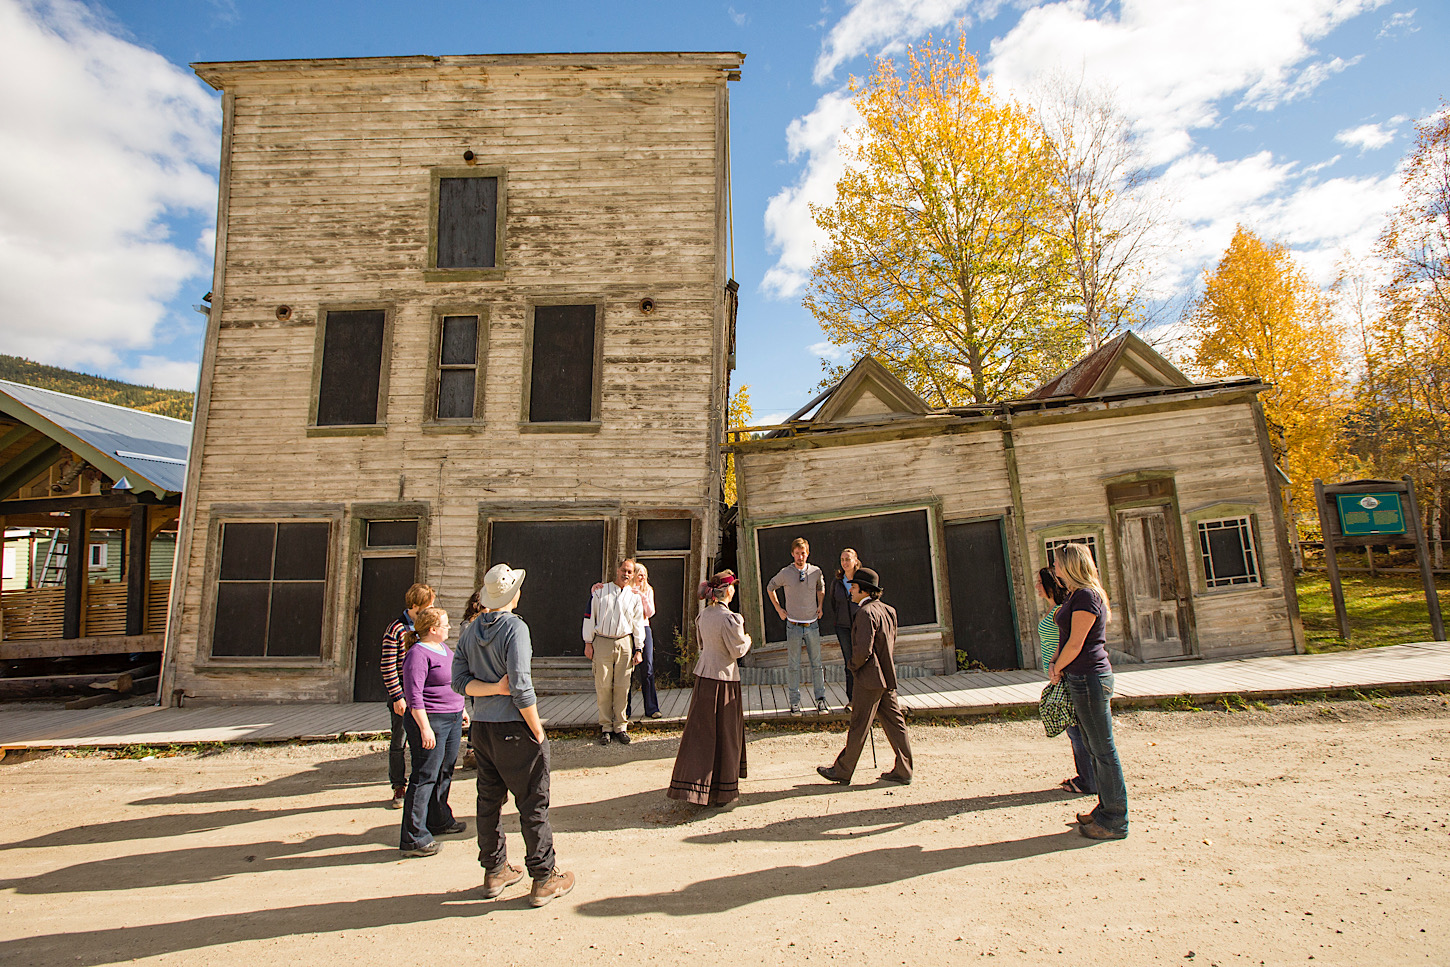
(1385, 610)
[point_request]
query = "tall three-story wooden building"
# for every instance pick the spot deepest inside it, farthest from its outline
(465, 310)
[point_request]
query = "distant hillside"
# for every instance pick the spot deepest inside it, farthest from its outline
(167, 402)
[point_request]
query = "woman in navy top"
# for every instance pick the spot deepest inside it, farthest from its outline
(434, 724)
(1082, 661)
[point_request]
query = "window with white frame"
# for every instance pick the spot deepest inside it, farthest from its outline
(1230, 558)
(1091, 540)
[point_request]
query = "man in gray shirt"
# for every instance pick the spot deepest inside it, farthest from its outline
(805, 589)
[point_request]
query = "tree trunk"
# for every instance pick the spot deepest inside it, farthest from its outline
(1435, 542)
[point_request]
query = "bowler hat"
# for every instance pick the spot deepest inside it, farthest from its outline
(866, 579)
(500, 585)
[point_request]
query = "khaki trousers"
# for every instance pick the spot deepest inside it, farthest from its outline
(611, 680)
(865, 706)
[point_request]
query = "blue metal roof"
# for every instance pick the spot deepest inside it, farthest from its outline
(148, 450)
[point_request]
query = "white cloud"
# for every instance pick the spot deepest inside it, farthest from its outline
(162, 372)
(1371, 137)
(770, 419)
(818, 138)
(101, 141)
(1399, 22)
(881, 26)
(738, 18)
(827, 350)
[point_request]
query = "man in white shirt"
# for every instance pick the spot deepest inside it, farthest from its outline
(614, 641)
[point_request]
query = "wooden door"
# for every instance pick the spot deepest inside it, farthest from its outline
(1155, 593)
(385, 583)
(983, 621)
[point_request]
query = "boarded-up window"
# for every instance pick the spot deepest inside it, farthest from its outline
(667, 534)
(457, 367)
(352, 363)
(1228, 552)
(271, 589)
(564, 559)
(897, 546)
(467, 223)
(561, 377)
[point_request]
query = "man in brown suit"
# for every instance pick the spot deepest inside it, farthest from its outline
(873, 642)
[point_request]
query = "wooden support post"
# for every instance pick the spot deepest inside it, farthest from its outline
(75, 574)
(138, 569)
(1427, 576)
(1331, 563)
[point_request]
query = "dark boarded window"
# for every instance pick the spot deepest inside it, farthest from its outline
(1228, 552)
(669, 534)
(467, 223)
(897, 546)
(457, 367)
(352, 362)
(271, 587)
(393, 533)
(564, 560)
(561, 377)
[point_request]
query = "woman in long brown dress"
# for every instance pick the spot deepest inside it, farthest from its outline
(711, 761)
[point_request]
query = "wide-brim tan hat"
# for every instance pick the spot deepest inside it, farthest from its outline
(500, 585)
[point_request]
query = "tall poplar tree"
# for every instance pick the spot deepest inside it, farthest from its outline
(941, 258)
(1261, 315)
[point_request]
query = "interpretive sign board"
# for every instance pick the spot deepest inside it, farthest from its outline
(1378, 513)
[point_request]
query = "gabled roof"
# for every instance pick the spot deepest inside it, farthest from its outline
(148, 450)
(868, 392)
(1122, 364)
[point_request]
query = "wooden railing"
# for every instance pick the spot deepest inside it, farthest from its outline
(34, 613)
(158, 600)
(105, 610)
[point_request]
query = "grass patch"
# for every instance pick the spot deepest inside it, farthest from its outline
(1178, 703)
(1385, 610)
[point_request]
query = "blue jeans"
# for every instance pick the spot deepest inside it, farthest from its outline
(811, 635)
(645, 671)
(1092, 702)
(1082, 759)
(425, 807)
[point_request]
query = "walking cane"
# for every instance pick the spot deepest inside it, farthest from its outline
(873, 743)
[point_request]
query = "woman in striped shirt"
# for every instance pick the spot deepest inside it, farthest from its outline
(1052, 593)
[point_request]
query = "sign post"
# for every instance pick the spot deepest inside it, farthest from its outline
(1359, 513)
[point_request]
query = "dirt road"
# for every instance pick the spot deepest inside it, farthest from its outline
(1314, 832)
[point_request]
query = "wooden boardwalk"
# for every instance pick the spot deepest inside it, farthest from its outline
(1398, 666)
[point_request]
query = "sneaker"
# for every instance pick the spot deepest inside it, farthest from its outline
(457, 826)
(398, 797)
(821, 707)
(557, 883)
(622, 738)
(428, 849)
(496, 883)
(657, 714)
(795, 710)
(606, 737)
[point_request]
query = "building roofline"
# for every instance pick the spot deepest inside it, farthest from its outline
(217, 73)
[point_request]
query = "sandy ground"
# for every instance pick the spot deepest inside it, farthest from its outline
(1300, 832)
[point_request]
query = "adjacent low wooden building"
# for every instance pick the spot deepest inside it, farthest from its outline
(465, 310)
(89, 504)
(1170, 483)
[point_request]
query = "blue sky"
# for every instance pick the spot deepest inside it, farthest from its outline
(1288, 115)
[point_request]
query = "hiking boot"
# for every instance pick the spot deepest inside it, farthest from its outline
(557, 883)
(399, 794)
(457, 826)
(1085, 819)
(428, 849)
(622, 738)
(1094, 831)
(496, 883)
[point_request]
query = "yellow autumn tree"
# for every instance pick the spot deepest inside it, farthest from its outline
(941, 260)
(1261, 315)
(737, 414)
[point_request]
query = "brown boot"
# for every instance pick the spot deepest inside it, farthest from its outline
(557, 883)
(496, 883)
(1085, 819)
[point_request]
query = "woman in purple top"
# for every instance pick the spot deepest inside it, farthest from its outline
(1082, 660)
(434, 725)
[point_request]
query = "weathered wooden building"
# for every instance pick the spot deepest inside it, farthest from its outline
(1171, 484)
(89, 501)
(465, 310)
